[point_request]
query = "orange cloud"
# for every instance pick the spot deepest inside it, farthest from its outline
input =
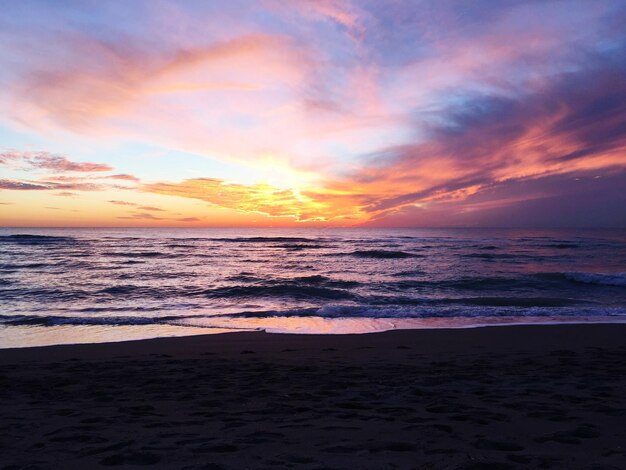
(258, 198)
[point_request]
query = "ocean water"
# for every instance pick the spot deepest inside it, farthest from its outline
(90, 285)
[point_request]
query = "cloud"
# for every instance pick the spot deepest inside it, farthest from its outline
(17, 185)
(341, 12)
(66, 194)
(576, 200)
(188, 219)
(574, 123)
(14, 185)
(51, 161)
(124, 177)
(9, 157)
(89, 179)
(150, 208)
(110, 76)
(260, 198)
(140, 216)
(54, 162)
(123, 203)
(372, 110)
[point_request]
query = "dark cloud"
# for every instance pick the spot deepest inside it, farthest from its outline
(583, 200)
(574, 124)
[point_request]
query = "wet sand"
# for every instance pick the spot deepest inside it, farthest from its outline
(487, 398)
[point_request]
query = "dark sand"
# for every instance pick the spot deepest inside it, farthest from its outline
(488, 398)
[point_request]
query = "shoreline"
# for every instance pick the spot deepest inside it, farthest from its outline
(539, 396)
(265, 338)
(396, 324)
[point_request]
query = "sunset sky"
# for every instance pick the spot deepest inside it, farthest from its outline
(313, 113)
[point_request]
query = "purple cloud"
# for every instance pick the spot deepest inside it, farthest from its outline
(122, 203)
(14, 185)
(54, 162)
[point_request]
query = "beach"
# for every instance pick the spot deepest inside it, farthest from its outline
(542, 396)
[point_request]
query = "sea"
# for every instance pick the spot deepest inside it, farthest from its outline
(60, 286)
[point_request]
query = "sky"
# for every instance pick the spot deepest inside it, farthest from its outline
(322, 113)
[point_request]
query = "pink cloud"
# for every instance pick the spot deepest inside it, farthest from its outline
(51, 161)
(121, 177)
(61, 163)
(123, 203)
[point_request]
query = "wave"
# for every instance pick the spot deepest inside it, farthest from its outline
(493, 256)
(313, 279)
(35, 320)
(383, 254)
(301, 292)
(13, 266)
(409, 272)
(329, 311)
(28, 239)
(266, 239)
(302, 246)
(589, 278)
(603, 279)
(514, 301)
(327, 281)
(335, 311)
(294, 282)
(561, 246)
(467, 283)
(244, 277)
(178, 240)
(491, 301)
(126, 290)
(140, 254)
(43, 294)
(302, 288)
